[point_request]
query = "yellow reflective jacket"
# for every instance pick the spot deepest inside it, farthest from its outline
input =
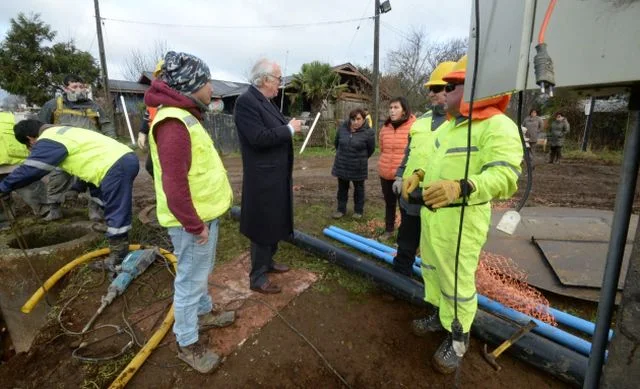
(208, 183)
(496, 154)
(90, 155)
(12, 152)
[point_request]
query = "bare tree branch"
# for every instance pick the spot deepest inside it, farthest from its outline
(412, 63)
(143, 61)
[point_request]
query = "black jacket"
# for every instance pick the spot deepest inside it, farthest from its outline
(353, 150)
(267, 161)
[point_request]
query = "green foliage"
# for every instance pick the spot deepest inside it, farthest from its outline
(317, 81)
(30, 68)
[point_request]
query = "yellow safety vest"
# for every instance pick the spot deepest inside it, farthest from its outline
(421, 143)
(209, 186)
(496, 154)
(90, 155)
(12, 152)
(61, 110)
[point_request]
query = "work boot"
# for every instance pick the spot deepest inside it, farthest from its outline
(55, 213)
(199, 357)
(217, 320)
(96, 213)
(445, 360)
(431, 323)
(119, 249)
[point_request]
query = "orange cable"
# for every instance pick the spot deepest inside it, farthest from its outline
(545, 22)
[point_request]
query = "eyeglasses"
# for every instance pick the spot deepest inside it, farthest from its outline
(451, 86)
(355, 119)
(279, 78)
(436, 88)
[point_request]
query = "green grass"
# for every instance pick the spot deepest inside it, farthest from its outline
(310, 219)
(609, 156)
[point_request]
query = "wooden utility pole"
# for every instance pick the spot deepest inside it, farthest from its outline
(376, 66)
(103, 60)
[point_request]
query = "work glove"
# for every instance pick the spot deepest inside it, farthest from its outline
(411, 183)
(441, 193)
(397, 186)
(142, 141)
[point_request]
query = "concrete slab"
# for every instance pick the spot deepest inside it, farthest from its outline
(575, 224)
(229, 286)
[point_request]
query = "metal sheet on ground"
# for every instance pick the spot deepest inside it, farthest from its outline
(540, 274)
(541, 222)
(581, 263)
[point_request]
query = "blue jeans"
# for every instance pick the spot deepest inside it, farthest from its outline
(191, 297)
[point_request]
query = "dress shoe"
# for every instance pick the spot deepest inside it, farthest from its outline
(278, 268)
(266, 288)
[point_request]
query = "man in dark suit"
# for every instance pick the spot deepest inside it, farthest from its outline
(267, 162)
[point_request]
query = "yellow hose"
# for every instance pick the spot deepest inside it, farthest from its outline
(137, 361)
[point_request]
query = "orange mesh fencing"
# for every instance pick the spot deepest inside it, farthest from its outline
(499, 278)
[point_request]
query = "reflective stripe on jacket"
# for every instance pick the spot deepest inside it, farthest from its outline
(496, 154)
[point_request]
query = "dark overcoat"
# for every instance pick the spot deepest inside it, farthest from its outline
(267, 162)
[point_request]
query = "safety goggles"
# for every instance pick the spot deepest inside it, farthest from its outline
(436, 88)
(451, 86)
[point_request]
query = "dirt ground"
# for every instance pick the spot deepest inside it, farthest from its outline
(362, 332)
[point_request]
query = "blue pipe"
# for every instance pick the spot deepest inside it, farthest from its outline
(571, 341)
(561, 317)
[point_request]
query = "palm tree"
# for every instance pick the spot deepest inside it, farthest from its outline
(317, 82)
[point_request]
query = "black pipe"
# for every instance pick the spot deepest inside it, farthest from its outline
(617, 241)
(550, 357)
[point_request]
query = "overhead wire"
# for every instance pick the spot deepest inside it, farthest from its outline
(237, 27)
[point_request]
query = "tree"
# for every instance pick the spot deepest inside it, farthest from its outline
(31, 69)
(317, 82)
(412, 63)
(144, 61)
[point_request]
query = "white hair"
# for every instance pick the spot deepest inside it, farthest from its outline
(260, 70)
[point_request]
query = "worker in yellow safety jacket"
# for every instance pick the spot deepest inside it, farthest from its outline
(414, 155)
(12, 154)
(192, 193)
(494, 168)
(108, 165)
(74, 108)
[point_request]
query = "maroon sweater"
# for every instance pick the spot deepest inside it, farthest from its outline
(174, 152)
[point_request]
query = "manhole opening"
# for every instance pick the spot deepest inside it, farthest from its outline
(50, 237)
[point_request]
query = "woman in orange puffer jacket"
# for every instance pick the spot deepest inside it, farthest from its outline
(394, 137)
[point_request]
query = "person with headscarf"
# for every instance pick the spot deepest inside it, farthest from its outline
(192, 192)
(494, 168)
(393, 140)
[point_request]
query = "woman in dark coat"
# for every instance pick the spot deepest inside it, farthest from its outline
(355, 142)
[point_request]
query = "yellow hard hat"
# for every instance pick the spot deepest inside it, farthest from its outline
(439, 72)
(158, 68)
(458, 72)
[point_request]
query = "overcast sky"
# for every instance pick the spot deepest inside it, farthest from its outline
(188, 25)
